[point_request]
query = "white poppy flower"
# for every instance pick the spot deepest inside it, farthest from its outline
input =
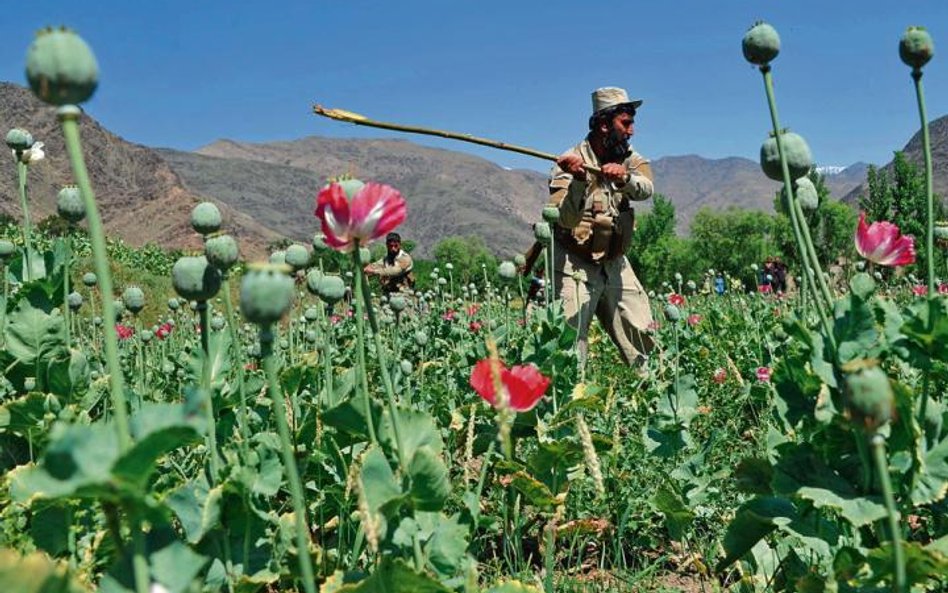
(33, 153)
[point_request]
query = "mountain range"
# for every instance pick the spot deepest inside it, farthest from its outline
(266, 191)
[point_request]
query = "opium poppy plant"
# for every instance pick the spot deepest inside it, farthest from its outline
(883, 243)
(373, 212)
(525, 384)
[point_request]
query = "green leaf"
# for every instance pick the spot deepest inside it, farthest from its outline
(932, 478)
(219, 354)
(197, 508)
(922, 564)
(378, 480)
(67, 375)
(418, 429)
(855, 329)
(32, 335)
(447, 546)
(391, 576)
(926, 326)
(753, 475)
(49, 527)
(754, 520)
(534, 492)
(23, 415)
(430, 483)
(513, 587)
(157, 428)
(35, 573)
(677, 515)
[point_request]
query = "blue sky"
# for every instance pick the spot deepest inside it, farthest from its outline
(183, 74)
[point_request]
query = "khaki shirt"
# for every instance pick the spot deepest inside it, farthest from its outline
(592, 210)
(394, 276)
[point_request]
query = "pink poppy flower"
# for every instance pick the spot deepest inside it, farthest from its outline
(920, 290)
(943, 288)
(474, 326)
(163, 331)
(525, 384)
(448, 315)
(676, 299)
(472, 309)
(763, 374)
(882, 243)
(373, 212)
(124, 332)
(764, 289)
(694, 319)
(719, 376)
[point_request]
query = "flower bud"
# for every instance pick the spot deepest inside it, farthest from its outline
(796, 151)
(551, 214)
(761, 44)
(870, 400)
(19, 139)
(217, 323)
(319, 244)
(134, 299)
(806, 194)
(90, 279)
(278, 258)
(297, 257)
(405, 366)
(398, 303)
(69, 204)
(221, 252)
(672, 313)
(74, 301)
(421, 338)
(266, 293)
(146, 335)
(916, 47)
(542, 232)
(206, 218)
(195, 279)
(61, 68)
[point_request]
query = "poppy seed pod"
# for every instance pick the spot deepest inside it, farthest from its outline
(217, 323)
(195, 279)
(520, 260)
(69, 204)
(134, 299)
(761, 44)
(331, 289)
(542, 232)
(90, 279)
(118, 305)
(941, 230)
(266, 293)
(507, 270)
(146, 335)
(870, 400)
(319, 243)
(551, 214)
(297, 257)
(916, 47)
(61, 68)
(806, 194)
(312, 281)
(7, 248)
(277, 258)
(311, 314)
(221, 251)
(364, 254)
(795, 149)
(19, 139)
(206, 218)
(398, 303)
(351, 186)
(74, 301)
(173, 304)
(672, 313)
(421, 338)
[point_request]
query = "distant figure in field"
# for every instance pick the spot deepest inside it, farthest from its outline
(394, 270)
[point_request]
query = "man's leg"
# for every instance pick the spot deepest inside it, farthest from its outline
(625, 313)
(578, 295)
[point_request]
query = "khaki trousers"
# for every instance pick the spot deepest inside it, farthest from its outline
(612, 293)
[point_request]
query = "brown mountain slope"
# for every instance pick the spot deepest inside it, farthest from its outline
(938, 135)
(140, 198)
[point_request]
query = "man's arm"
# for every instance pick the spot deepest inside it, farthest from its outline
(403, 264)
(639, 181)
(568, 188)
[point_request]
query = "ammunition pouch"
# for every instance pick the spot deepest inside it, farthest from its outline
(598, 238)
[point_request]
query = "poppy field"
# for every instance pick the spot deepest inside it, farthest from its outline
(284, 426)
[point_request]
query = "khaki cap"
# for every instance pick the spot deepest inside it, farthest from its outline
(611, 96)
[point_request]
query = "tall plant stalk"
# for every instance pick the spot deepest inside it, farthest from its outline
(895, 529)
(22, 170)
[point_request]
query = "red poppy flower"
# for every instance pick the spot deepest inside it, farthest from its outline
(163, 331)
(676, 299)
(719, 376)
(474, 326)
(373, 212)
(448, 315)
(882, 243)
(124, 332)
(472, 309)
(525, 384)
(943, 288)
(694, 319)
(763, 374)
(765, 288)
(920, 290)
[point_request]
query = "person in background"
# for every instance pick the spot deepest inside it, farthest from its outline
(394, 270)
(719, 285)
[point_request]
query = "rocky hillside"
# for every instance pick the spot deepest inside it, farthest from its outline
(140, 197)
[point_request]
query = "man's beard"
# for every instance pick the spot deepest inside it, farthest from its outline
(616, 147)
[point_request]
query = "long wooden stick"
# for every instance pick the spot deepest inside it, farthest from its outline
(355, 118)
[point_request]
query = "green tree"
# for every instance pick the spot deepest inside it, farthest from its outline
(652, 240)
(470, 257)
(732, 240)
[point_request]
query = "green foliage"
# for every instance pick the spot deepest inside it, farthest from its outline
(470, 257)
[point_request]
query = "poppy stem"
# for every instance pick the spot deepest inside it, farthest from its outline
(927, 150)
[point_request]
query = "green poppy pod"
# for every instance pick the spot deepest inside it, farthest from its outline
(74, 301)
(365, 255)
(146, 335)
(206, 218)
(398, 303)
(7, 249)
(217, 323)
(312, 281)
(761, 44)
(297, 256)
(672, 312)
(405, 366)
(806, 194)
(310, 336)
(29, 383)
(221, 251)
(520, 260)
(941, 229)
(311, 314)
(174, 304)
(118, 306)
(449, 266)
(331, 289)
(351, 187)
(266, 293)
(277, 258)
(69, 204)
(421, 338)
(542, 232)
(134, 299)
(870, 400)
(61, 68)
(507, 270)
(195, 279)
(916, 47)
(319, 244)
(796, 150)
(19, 139)
(551, 214)
(90, 279)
